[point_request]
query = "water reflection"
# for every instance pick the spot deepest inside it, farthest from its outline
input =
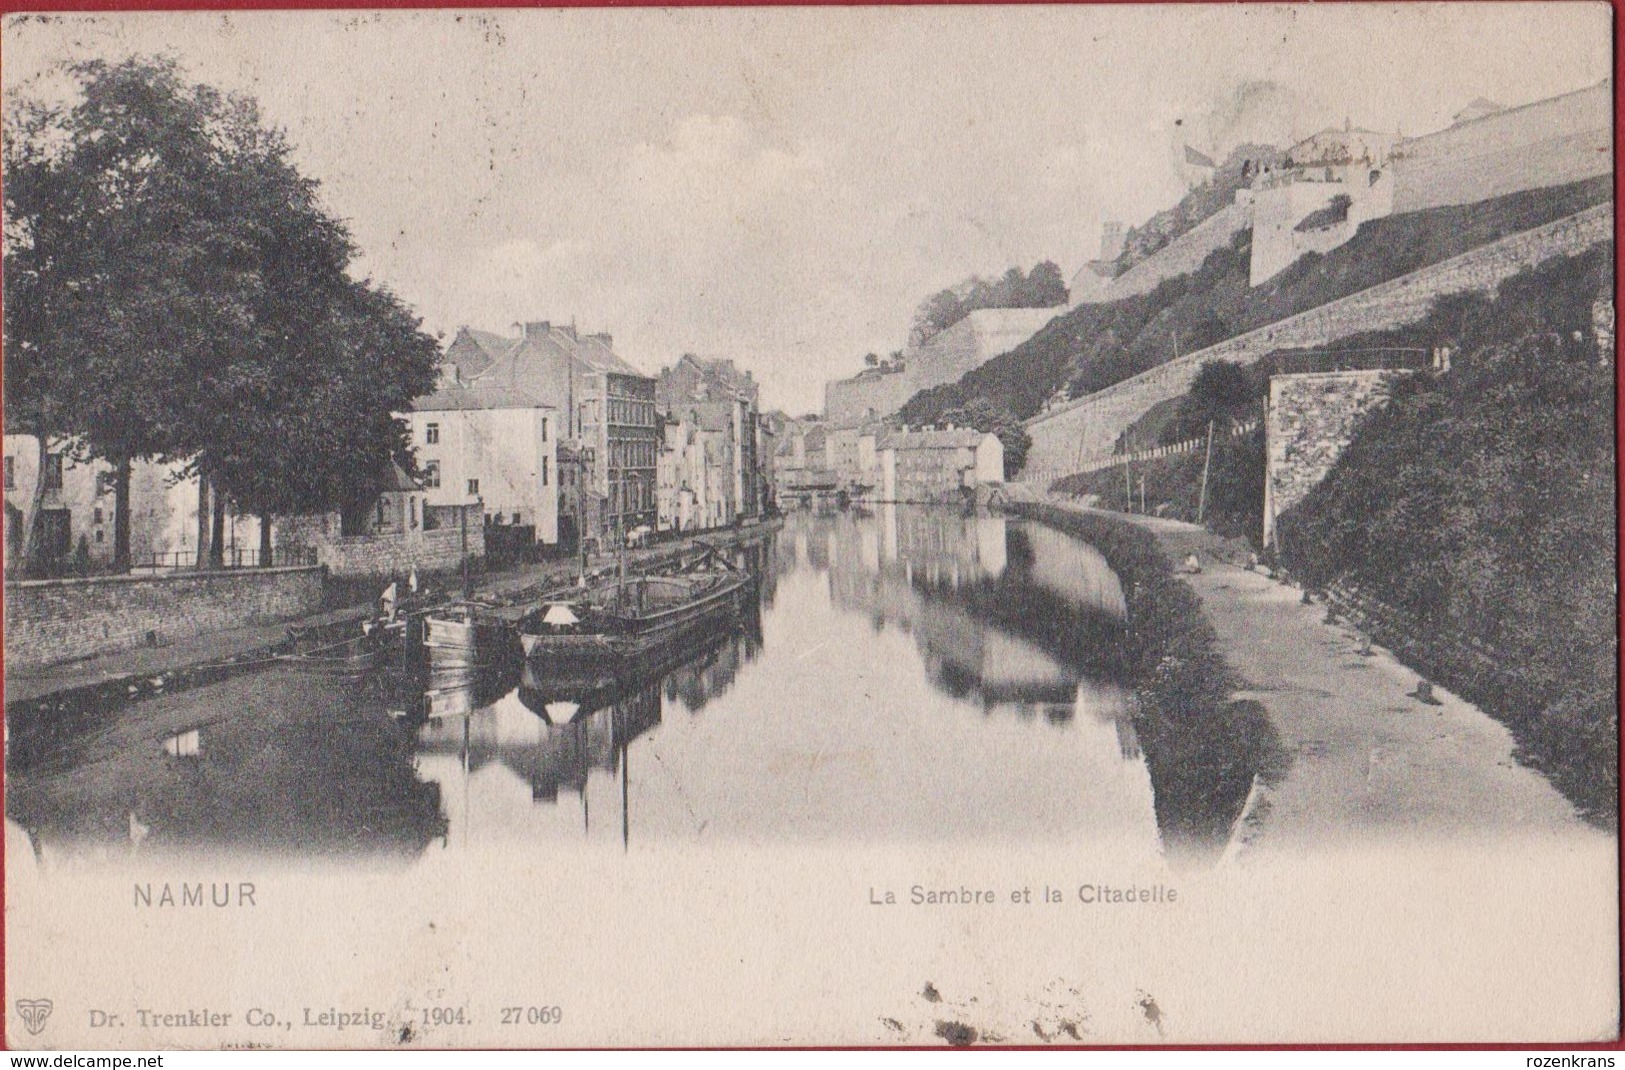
(269, 763)
(907, 673)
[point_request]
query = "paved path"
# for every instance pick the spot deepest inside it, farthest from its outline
(1368, 760)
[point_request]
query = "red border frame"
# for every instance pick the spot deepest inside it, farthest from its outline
(1618, 8)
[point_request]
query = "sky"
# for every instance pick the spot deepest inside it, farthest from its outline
(783, 186)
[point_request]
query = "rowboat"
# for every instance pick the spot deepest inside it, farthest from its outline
(346, 657)
(633, 618)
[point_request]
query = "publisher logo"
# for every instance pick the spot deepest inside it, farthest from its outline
(34, 1012)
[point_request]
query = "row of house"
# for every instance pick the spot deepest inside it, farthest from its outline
(876, 463)
(557, 435)
(545, 433)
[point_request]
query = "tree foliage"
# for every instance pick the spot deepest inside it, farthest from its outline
(1043, 287)
(174, 290)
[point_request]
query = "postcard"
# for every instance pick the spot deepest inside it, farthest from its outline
(858, 527)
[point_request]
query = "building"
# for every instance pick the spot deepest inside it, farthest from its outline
(879, 392)
(725, 403)
(937, 466)
(1318, 196)
(610, 439)
(495, 445)
(681, 500)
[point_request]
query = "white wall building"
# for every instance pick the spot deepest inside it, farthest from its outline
(497, 444)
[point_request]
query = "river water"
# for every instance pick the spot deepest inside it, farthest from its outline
(908, 674)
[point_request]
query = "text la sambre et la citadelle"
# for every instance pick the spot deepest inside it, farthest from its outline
(1087, 894)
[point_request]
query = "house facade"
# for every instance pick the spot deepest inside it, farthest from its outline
(609, 443)
(494, 445)
(937, 465)
(724, 404)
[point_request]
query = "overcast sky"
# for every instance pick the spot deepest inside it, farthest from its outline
(783, 186)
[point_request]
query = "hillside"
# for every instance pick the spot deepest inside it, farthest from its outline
(1480, 505)
(1095, 346)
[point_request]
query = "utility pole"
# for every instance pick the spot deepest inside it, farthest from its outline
(1201, 503)
(1142, 492)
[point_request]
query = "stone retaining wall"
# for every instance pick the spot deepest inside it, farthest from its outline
(51, 621)
(1090, 426)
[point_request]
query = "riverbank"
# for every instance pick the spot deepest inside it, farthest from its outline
(203, 658)
(1207, 749)
(1365, 756)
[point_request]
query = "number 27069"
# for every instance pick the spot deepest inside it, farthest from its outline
(532, 1015)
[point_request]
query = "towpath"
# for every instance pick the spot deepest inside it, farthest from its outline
(1368, 760)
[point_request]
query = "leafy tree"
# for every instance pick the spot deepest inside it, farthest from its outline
(1042, 288)
(1223, 393)
(175, 291)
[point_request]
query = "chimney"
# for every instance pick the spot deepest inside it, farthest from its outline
(603, 338)
(536, 328)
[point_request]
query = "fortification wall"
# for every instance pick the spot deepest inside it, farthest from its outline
(849, 402)
(52, 621)
(947, 355)
(1548, 143)
(1078, 431)
(1182, 256)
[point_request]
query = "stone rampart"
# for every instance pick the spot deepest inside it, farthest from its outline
(1089, 426)
(1308, 423)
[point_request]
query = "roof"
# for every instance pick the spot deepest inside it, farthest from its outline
(477, 396)
(399, 480)
(474, 350)
(959, 438)
(593, 350)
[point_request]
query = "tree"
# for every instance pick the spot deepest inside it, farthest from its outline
(1224, 393)
(175, 291)
(113, 210)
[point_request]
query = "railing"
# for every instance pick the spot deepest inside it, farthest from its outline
(1086, 465)
(231, 557)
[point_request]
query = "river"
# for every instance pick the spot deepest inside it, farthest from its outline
(907, 675)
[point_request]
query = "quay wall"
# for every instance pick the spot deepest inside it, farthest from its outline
(52, 621)
(381, 555)
(1070, 435)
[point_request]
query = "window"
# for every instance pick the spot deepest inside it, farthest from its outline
(11, 473)
(544, 470)
(544, 429)
(515, 520)
(53, 471)
(412, 504)
(431, 434)
(431, 474)
(379, 522)
(473, 488)
(99, 534)
(97, 512)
